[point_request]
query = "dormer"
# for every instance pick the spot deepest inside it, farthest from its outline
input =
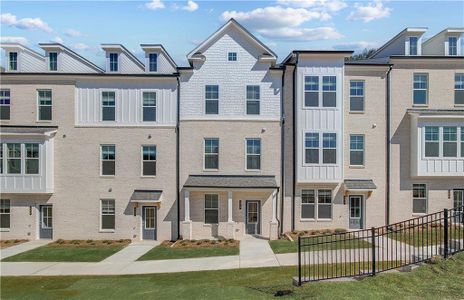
(445, 43)
(22, 59)
(121, 60)
(61, 59)
(408, 43)
(157, 59)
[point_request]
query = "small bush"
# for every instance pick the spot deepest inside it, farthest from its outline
(339, 230)
(60, 241)
(89, 241)
(75, 242)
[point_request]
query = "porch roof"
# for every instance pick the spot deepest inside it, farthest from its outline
(27, 130)
(146, 196)
(231, 181)
(360, 184)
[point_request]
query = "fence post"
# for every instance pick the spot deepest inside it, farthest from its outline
(373, 250)
(445, 233)
(299, 260)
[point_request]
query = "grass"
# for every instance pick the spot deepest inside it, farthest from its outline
(71, 251)
(438, 281)
(426, 236)
(8, 243)
(287, 246)
(191, 249)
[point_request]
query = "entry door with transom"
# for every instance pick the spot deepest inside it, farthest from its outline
(458, 204)
(356, 212)
(253, 217)
(46, 222)
(149, 222)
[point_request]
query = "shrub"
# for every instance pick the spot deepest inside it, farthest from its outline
(339, 230)
(60, 241)
(75, 242)
(89, 241)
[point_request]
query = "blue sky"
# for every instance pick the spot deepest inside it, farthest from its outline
(283, 25)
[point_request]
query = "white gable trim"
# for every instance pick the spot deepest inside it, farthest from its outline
(148, 47)
(61, 47)
(109, 47)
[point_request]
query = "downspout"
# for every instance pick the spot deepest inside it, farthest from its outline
(294, 139)
(178, 157)
(282, 151)
(388, 162)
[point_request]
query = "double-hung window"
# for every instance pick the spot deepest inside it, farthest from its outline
(5, 102)
(413, 45)
(420, 92)
(462, 141)
(107, 214)
(13, 61)
(459, 89)
(432, 141)
(356, 95)
(211, 99)
(452, 45)
(13, 158)
(253, 97)
(45, 105)
(4, 214)
(232, 56)
(153, 62)
(108, 106)
(149, 106)
(211, 153)
(311, 98)
(114, 67)
(253, 154)
(450, 141)
(356, 150)
(308, 204)
(329, 148)
(53, 61)
(149, 160)
(1, 158)
(108, 160)
(419, 199)
(211, 209)
(312, 148)
(329, 91)
(324, 204)
(32, 158)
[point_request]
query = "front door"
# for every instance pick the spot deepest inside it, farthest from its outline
(253, 217)
(356, 212)
(149, 222)
(46, 222)
(458, 204)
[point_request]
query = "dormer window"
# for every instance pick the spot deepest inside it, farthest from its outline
(13, 61)
(153, 62)
(113, 62)
(232, 56)
(53, 61)
(452, 45)
(413, 45)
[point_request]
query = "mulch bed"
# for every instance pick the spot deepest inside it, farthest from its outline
(228, 243)
(315, 232)
(8, 243)
(89, 243)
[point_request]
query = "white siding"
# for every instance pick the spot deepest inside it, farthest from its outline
(128, 102)
(69, 64)
(126, 65)
(28, 62)
(164, 66)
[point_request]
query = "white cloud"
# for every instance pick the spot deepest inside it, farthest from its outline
(57, 39)
(301, 34)
(80, 46)
(322, 5)
(25, 23)
(72, 33)
(356, 46)
(155, 4)
(191, 6)
(372, 11)
(14, 39)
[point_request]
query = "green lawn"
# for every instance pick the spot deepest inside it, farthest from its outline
(166, 252)
(429, 236)
(286, 246)
(439, 281)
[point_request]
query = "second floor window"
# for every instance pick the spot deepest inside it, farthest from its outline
(149, 160)
(149, 106)
(356, 150)
(253, 96)
(45, 105)
(462, 141)
(413, 45)
(5, 102)
(108, 106)
(108, 160)
(153, 62)
(312, 148)
(1, 158)
(253, 154)
(212, 99)
(452, 45)
(432, 141)
(420, 92)
(329, 148)
(13, 61)
(32, 158)
(459, 89)
(114, 62)
(356, 95)
(311, 98)
(329, 91)
(211, 154)
(53, 61)
(450, 141)
(13, 162)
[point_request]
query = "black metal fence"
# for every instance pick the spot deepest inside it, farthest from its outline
(370, 251)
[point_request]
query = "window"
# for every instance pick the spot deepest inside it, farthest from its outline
(356, 150)
(311, 148)
(211, 209)
(420, 89)
(329, 91)
(32, 158)
(253, 154)
(232, 56)
(253, 96)
(413, 45)
(311, 91)
(308, 204)
(148, 160)
(13, 61)
(324, 204)
(1, 158)
(113, 62)
(450, 141)
(211, 154)
(462, 141)
(5, 102)
(4, 214)
(108, 106)
(149, 106)
(356, 95)
(329, 151)
(432, 141)
(212, 99)
(53, 61)
(13, 158)
(153, 62)
(108, 160)
(107, 214)
(45, 105)
(452, 45)
(459, 89)
(419, 199)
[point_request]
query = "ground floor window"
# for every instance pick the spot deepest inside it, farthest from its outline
(211, 209)
(419, 199)
(316, 204)
(4, 214)
(107, 214)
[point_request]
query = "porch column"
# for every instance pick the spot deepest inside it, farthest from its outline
(229, 207)
(187, 206)
(274, 206)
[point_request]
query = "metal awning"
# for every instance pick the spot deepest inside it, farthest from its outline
(146, 196)
(231, 181)
(11, 130)
(360, 185)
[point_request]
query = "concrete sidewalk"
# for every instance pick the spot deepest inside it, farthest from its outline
(256, 252)
(13, 250)
(132, 252)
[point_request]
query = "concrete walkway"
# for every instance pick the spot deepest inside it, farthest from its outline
(256, 252)
(131, 252)
(13, 250)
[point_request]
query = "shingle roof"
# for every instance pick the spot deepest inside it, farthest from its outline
(230, 181)
(26, 129)
(146, 196)
(360, 184)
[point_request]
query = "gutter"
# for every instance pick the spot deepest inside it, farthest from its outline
(388, 144)
(294, 138)
(177, 158)
(280, 220)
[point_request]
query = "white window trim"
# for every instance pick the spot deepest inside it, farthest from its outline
(236, 56)
(57, 61)
(42, 224)
(38, 105)
(142, 160)
(321, 148)
(305, 148)
(142, 106)
(308, 204)
(252, 100)
(319, 92)
(101, 160)
(260, 154)
(321, 138)
(417, 45)
(218, 98)
(6, 229)
(449, 47)
(9, 105)
(148, 62)
(18, 67)
(426, 90)
(356, 150)
(39, 159)
(455, 89)
(426, 200)
(101, 216)
(116, 106)
(441, 141)
(363, 96)
(118, 62)
(204, 154)
(217, 209)
(316, 205)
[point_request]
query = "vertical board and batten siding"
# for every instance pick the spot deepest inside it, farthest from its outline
(327, 120)
(164, 66)
(232, 77)
(67, 63)
(128, 102)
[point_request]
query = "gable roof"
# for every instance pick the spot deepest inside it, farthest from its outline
(147, 47)
(71, 53)
(127, 52)
(241, 29)
(447, 31)
(396, 37)
(23, 48)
